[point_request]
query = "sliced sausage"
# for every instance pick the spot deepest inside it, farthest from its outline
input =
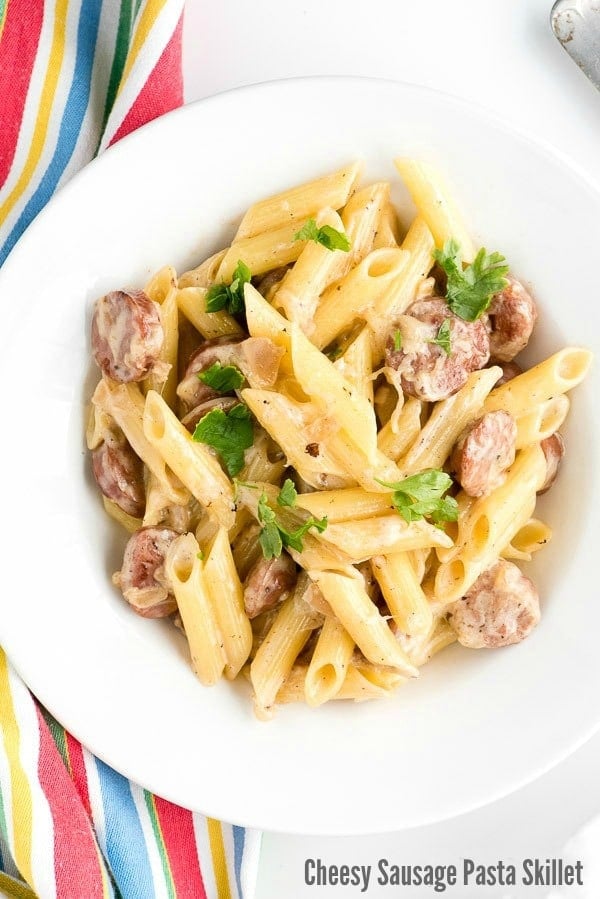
(511, 317)
(554, 450)
(142, 577)
(268, 582)
(190, 389)
(510, 370)
(225, 403)
(256, 357)
(502, 607)
(119, 474)
(127, 335)
(426, 370)
(484, 451)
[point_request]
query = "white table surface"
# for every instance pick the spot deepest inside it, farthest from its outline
(502, 55)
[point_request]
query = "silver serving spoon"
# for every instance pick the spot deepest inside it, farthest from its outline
(576, 24)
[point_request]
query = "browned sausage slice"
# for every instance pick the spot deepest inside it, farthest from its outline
(511, 316)
(502, 607)
(191, 389)
(484, 451)
(119, 474)
(554, 450)
(256, 357)
(225, 403)
(426, 370)
(142, 579)
(127, 335)
(268, 583)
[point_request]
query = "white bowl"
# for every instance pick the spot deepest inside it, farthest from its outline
(476, 725)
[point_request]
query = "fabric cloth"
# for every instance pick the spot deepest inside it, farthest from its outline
(75, 76)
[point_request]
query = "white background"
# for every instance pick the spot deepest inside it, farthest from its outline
(502, 55)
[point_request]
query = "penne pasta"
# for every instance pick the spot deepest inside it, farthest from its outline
(227, 599)
(403, 593)
(329, 663)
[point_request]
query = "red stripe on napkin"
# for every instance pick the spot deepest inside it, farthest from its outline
(18, 47)
(76, 863)
(177, 827)
(162, 92)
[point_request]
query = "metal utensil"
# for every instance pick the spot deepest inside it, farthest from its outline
(576, 24)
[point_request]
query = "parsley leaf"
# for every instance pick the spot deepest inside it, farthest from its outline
(288, 494)
(325, 235)
(222, 378)
(229, 297)
(422, 495)
(270, 538)
(274, 536)
(397, 336)
(442, 339)
(230, 433)
(470, 291)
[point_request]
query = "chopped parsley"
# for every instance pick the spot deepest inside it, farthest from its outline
(397, 337)
(470, 290)
(442, 339)
(229, 296)
(222, 378)
(325, 235)
(423, 496)
(274, 536)
(229, 433)
(288, 494)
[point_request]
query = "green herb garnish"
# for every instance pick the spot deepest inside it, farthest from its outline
(229, 296)
(288, 494)
(222, 378)
(325, 235)
(230, 433)
(397, 339)
(274, 536)
(422, 496)
(442, 339)
(470, 290)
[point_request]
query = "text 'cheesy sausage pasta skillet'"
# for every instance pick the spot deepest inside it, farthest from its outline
(322, 447)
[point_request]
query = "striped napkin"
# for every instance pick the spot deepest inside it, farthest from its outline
(75, 76)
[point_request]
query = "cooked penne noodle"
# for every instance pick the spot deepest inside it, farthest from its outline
(395, 437)
(555, 375)
(300, 203)
(388, 229)
(192, 462)
(403, 593)
(419, 245)
(350, 504)
(448, 419)
(329, 663)
(125, 403)
(362, 682)
(161, 284)
(192, 303)
(359, 292)
(490, 525)
(227, 599)
(359, 615)
(263, 252)
(164, 378)
(355, 365)
(315, 269)
(368, 537)
(360, 217)
(436, 204)
(184, 570)
(532, 537)
(282, 645)
(205, 274)
(542, 421)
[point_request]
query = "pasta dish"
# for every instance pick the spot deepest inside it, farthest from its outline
(322, 447)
